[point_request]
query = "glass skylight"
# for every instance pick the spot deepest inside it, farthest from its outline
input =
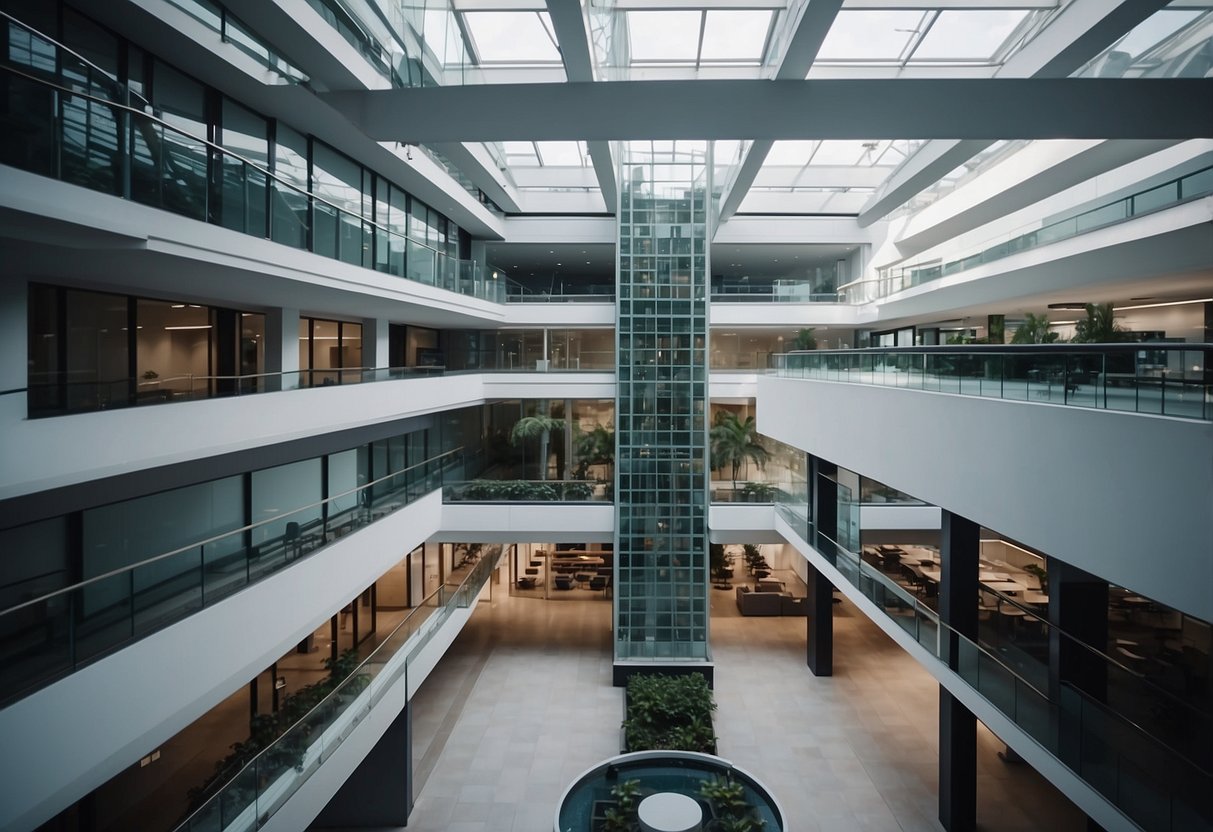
(788, 152)
(1154, 30)
(512, 37)
(1168, 44)
(665, 36)
(545, 154)
(864, 35)
(968, 35)
(735, 35)
(846, 152)
(561, 154)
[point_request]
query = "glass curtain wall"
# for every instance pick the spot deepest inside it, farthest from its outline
(95, 350)
(330, 352)
(661, 600)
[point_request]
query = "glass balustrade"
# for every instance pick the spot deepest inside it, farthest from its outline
(899, 278)
(1159, 785)
(79, 125)
(1158, 378)
(58, 632)
(266, 783)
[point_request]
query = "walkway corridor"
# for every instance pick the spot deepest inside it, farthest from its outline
(523, 703)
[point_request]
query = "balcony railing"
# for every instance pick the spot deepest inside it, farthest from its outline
(265, 783)
(69, 120)
(1160, 378)
(781, 290)
(59, 393)
(54, 634)
(1157, 786)
(897, 278)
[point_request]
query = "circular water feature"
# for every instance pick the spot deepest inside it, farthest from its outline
(682, 786)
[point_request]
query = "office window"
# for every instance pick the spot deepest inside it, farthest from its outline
(337, 183)
(242, 187)
(288, 199)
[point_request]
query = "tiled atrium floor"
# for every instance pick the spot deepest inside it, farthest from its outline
(522, 704)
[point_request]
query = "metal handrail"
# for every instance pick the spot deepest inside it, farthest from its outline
(244, 377)
(894, 272)
(225, 151)
(63, 47)
(953, 349)
(277, 518)
(934, 616)
(444, 588)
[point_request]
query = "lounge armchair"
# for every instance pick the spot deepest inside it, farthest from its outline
(564, 581)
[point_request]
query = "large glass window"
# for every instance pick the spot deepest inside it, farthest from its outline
(326, 348)
(90, 148)
(242, 194)
(338, 209)
(172, 350)
(285, 502)
(98, 372)
(178, 153)
(289, 201)
(133, 531)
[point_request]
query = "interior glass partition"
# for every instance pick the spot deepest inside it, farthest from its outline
(661, 576)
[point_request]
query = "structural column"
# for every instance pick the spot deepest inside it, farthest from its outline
(820, 641)
(823, 509)
(1078, 607)
(960, 552)
(379, 793)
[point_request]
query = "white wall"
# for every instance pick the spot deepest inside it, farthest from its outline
(1121, 495)
(505, 523)
(56, 451)
(79, 732)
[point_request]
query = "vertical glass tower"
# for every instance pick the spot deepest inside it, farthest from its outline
(661, 546)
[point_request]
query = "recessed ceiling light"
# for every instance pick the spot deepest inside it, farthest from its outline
(560, 264)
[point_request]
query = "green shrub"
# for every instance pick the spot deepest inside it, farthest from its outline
(733, 812)
(669, 712)
(266, 729)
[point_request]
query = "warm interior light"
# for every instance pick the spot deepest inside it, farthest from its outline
(1155, 305)
(199, 326)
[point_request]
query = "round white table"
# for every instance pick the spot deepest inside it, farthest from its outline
(670, 812)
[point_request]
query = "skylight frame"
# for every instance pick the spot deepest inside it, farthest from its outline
(623, 21)
(1035, 13)
(466, 17)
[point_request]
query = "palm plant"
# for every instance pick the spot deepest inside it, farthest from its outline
(805, 340)
(1099, 327)
(594, 448)
(1034, 330)
(734, 442)
(532, 427)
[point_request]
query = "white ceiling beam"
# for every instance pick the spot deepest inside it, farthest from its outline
(816, 18)
(1020, 108)
(1082, 30)
(568, 22)
(474, 162)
